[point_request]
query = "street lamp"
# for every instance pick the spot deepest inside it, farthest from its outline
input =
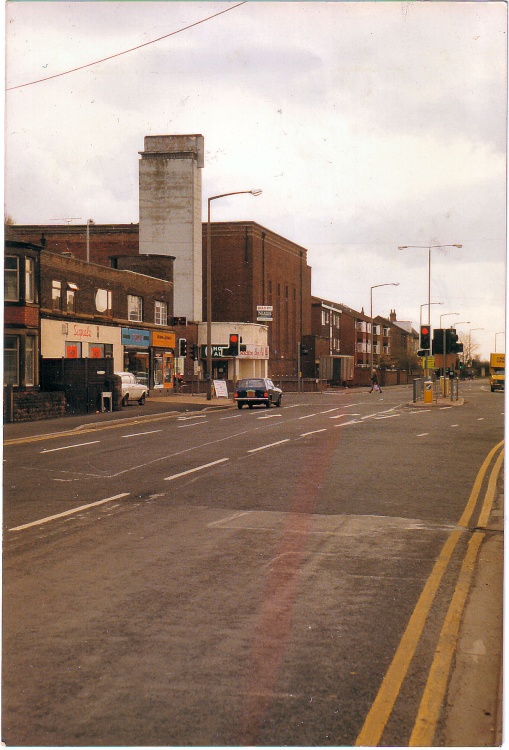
(499, 333)
(429, 248)
(427, 304)
(375, 286)
(209, 284)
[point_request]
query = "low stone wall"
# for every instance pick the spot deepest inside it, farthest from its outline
(29, 406)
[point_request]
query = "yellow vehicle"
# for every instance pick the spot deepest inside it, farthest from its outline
(497, 372)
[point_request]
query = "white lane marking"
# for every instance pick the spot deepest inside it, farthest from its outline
(480, 419)
(305, 434)
(350, 405)
(229, 518)
(270, 445)
(293, 406)
(455, 425)
(338, 416)
(67, 447)
(235, 416)
(352, 421)
(307, 416)
(193, 424)
(388, 416)
(137, 434)
(421, 411)
(69, 512)
(445, 407)
(270, 416)
(328, 410)
(192, 416)
(423, 434)
(197, 468)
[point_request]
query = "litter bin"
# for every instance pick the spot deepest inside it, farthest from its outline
(428, 391)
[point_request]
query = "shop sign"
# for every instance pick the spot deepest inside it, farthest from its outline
(164, 339)
(217, 350)
(253, 351)
(80, 331)
(264, 313)
(135, 337)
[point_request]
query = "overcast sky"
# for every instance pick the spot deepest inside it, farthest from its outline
(367, 125)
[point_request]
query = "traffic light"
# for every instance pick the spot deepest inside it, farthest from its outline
(182, 347)
(234, 345)
(452, 345)
(425, 342)
(194, 351)
(438, 341)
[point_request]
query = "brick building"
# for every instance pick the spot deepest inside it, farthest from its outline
(251, 267)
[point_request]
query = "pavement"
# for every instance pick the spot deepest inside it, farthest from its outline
(474, 711)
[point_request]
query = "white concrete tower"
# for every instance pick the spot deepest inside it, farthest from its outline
(170, 212)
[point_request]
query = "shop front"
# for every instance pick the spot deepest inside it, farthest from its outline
(163, 358)
(136, 343)
(78, 340)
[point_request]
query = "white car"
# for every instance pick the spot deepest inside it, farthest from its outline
(132, 389)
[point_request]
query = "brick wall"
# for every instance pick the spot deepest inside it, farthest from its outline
(21, 316)
(29, 406)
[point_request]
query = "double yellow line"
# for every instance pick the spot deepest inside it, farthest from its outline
(429, 710)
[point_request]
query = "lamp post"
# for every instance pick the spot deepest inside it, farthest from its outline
(427, 304)
(499, 333)
(429, 248)
(209, 284)
(375, 286)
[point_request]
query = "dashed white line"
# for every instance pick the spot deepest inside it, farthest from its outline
(270, 445)
(307, 416)
(68, 512)
(270, 416)
(193, 424)
(137, 434)
(67, 447)
(305, 434)
(196, 468)
(423, 434)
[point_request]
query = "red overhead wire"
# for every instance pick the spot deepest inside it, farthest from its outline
(125, 52)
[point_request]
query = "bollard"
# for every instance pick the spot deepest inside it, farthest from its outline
(428, 392)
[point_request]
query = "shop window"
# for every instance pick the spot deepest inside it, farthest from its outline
(96, 351)
(11, 278)
(108, 351)
(73, 349)
(30, 280)
(11, 360)
(103, 301)
(161, 313)
(134, 308)
(56, 295)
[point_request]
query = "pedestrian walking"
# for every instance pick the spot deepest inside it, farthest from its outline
(374, 383)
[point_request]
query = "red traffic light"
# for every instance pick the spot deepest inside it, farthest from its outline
(234, 339)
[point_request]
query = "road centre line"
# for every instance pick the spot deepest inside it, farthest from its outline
(67, 447)
(270, 445)
(193, 424)
(305, 434)
(196, 468)
(69, 512)
(136, 434)
(270, 416)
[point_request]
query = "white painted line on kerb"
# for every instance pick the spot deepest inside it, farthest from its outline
(137, 434)
(66, 447)
(197, 468)
(305, 434)
(270, 445)
(69, 512)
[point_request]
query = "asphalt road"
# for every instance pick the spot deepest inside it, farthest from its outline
(236, 577)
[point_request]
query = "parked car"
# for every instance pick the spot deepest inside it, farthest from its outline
(132, 389)
(253, 391)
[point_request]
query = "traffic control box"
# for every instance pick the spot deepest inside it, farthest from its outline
(428, 391)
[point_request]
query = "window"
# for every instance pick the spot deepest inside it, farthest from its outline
(11, 360)
(96, 351)
(71, 300)
(103, 301)
(161, 313)
(134, 307)
(29, 280)
(73, 349)
(30, 350)
(56, 295)
(11, 279)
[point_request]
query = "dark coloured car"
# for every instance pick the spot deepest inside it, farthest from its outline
(253, 391)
